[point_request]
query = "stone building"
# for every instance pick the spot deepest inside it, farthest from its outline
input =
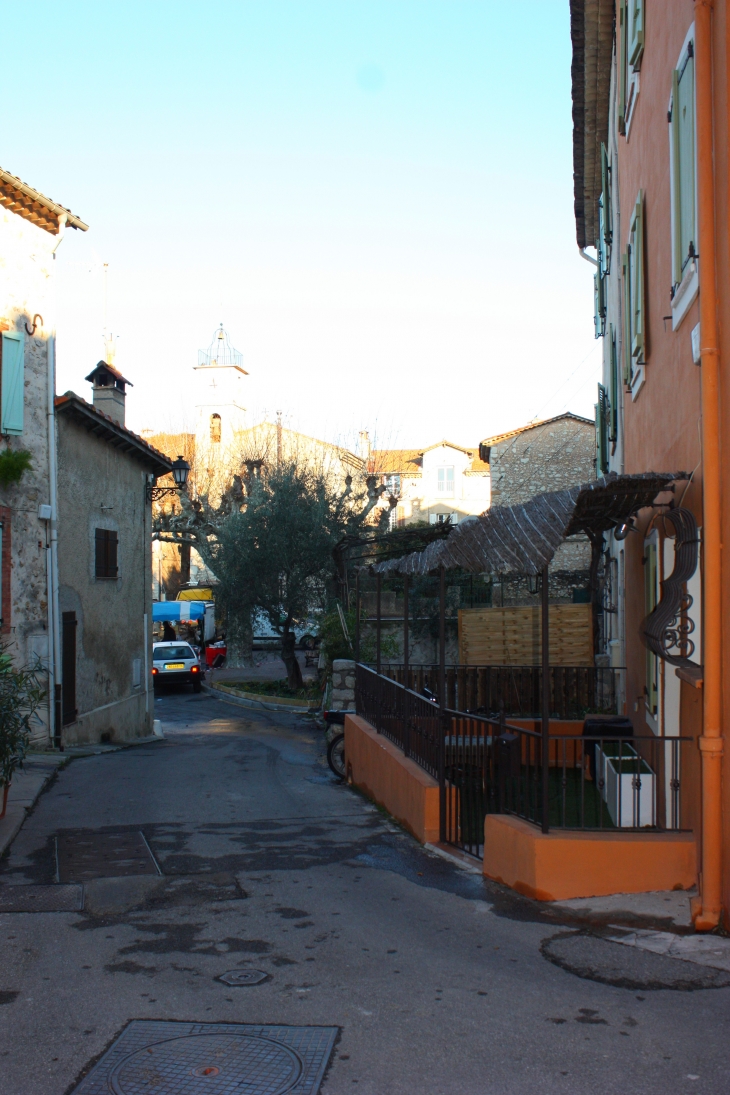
(431, 484)
(31, 228)
(544, 456)
(104, 562)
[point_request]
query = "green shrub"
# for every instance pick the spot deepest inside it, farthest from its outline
(21, 694)
(12, 466)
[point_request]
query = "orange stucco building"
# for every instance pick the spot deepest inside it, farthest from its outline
(651, 109)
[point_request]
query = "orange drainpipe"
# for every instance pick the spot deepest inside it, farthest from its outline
(708, 909)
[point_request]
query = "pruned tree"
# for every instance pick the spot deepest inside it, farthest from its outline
(269, 541)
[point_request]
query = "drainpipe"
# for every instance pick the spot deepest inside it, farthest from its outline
(708, 908)
(54, 612)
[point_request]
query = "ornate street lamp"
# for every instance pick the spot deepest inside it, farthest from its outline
(180, 473)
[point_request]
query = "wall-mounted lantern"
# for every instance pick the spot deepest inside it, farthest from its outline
(180, 473)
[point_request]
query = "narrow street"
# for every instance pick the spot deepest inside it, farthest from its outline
(434, 978)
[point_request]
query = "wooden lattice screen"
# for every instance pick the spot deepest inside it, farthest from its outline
(511, 636)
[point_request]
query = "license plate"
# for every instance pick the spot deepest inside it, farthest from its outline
(175, 665)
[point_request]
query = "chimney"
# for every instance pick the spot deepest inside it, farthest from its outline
(363, 445)
(109, 390)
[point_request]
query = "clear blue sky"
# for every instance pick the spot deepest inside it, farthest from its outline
(374, 196)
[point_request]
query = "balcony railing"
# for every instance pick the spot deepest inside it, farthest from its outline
(484, 766)
(516, 690)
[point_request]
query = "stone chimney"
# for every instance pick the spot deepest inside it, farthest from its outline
(363, 445)
(109, 390)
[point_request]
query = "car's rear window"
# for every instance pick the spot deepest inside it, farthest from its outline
(171, 653)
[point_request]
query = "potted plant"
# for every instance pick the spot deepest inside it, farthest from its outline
(627, 784)
(21, 694)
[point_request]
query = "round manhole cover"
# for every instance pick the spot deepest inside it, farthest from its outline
(243, 977)
(210, 1063)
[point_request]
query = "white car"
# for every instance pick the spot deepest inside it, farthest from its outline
(174, 662)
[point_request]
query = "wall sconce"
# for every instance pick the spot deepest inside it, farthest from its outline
(180, 473)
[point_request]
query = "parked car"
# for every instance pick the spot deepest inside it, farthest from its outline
(176, 663)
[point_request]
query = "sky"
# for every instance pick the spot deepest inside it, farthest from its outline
(373, 196)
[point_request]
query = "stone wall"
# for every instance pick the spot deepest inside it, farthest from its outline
(550, 456)
(25, 275)
(343, 685)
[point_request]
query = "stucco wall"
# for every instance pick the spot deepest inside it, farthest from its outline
(101, 487)
(25, 275)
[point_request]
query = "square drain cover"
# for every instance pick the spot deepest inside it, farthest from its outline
(85, 854)
(212, 1058)
(22, 899)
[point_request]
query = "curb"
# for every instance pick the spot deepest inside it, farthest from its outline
(22, 800)
(255, 705)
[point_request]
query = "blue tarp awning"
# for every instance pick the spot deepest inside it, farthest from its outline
(178, 610)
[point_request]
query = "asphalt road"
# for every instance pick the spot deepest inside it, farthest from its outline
(435, 978)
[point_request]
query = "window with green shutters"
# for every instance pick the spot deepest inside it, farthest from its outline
(682, 122)
(623, 66)
(599, 304)
(613, 393)
(635, 31)
(601, 408)
(651, 597)
(604, 216)
(636, 296)
(12, 389)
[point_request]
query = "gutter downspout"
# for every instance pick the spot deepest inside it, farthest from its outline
(54, 612)
(707, 909)
(583, 255)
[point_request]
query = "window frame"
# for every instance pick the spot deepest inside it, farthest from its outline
(628, 72)
(446, 468)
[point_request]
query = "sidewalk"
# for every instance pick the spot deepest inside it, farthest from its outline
(27, 785)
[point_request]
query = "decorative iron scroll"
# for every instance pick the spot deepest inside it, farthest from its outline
(668, 628)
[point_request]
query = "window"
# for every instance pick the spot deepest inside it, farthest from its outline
(445, 480)
(635, 32)
(599, 304)
(106, 553)
(13, 382)
(631, 49)
(442, 518)
(604, 216)
(651, 599)
(392, 485)
(613, 393)
(602, 431)
(633, 269)
(682, 145)
(215, 428)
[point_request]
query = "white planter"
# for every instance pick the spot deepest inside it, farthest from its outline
(629, 793)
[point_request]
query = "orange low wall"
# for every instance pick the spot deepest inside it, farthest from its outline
(381, 771)
(559, 865)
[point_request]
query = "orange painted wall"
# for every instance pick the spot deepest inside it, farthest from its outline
(559, 865)
(381, 771)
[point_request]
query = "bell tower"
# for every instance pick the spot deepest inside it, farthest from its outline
(219, 399)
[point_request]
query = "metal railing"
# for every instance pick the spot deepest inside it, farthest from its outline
(487, 766)
(517, 689)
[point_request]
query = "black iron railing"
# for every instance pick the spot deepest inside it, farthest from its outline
(488, 766)
(517, 689)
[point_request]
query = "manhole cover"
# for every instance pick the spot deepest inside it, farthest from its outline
(243, 977)
(23, 899)
(212, 1058)
(83, 854)
(223, 1061)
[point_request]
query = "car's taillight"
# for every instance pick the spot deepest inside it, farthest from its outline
(195, 669)
(154, 671)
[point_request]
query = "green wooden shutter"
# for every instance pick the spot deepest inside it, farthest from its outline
(604, 215)
(601, 433)
(599, 304)
(623, 66)
(636, 32)
(650, 603)
(637, 277)
(626, 279)
(685, 155)
(13, 381)
(614, 390)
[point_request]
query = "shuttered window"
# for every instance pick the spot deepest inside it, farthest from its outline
(106, 553)
(636, 268)
(651, 597)
(602, 431)
(445, 479)
(682, 121)
(12, 390)
(599, 304)
(613, 392)
(604, 216)
(635, 9)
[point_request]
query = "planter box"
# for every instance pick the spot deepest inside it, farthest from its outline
(628, 785)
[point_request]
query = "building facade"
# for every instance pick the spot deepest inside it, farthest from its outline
(651, 196)
(31, 229)
(431, 485)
